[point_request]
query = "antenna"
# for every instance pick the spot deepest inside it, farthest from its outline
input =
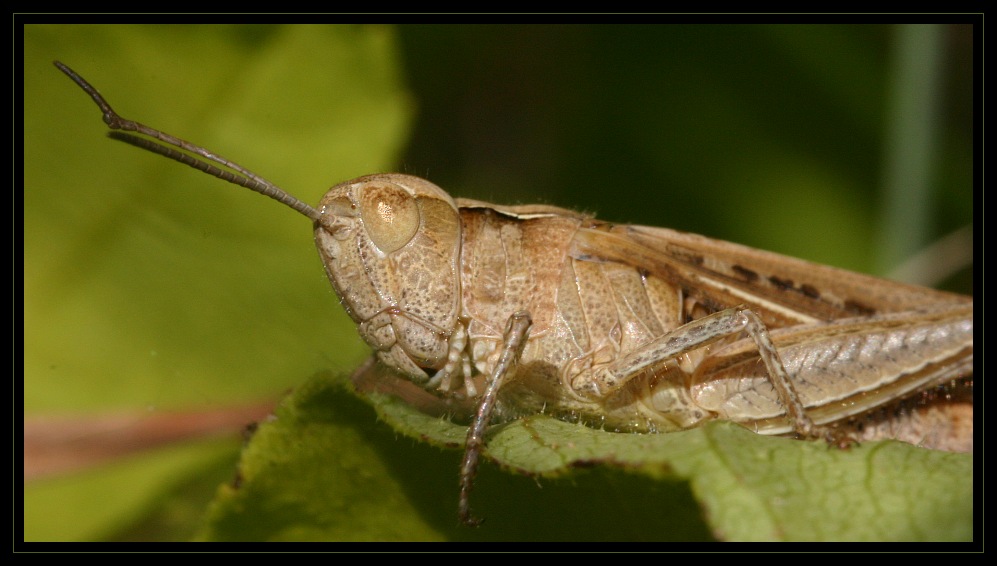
(197, 157)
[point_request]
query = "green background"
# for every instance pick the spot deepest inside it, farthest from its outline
(150, 287)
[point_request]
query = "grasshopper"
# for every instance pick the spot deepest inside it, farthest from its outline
(527, 309)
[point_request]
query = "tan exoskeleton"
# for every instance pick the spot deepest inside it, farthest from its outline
(528, 309)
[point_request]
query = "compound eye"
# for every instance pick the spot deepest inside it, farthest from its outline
(390, 215)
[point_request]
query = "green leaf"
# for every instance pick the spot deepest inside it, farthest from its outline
(152, 287)
(324, 470)
(139, 271)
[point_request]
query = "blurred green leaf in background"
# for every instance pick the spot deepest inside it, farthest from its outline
(138, 271)
(152, 288)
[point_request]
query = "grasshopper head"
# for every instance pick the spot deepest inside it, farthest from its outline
(390, 245)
